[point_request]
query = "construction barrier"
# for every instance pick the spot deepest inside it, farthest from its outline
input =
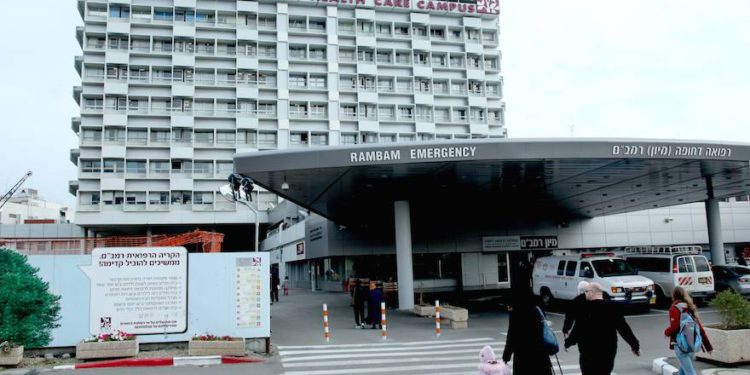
(326, 333)
(199, 241)
(383, 321)
(437, 318)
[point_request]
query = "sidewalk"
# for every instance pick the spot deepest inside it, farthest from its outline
(670, 365)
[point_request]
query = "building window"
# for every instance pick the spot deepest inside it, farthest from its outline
(318, 25)
(158, 198)
(224, 137)
(348, 139)
(319, 139)
(247, 137)
(159, 166)
(318, 111)
(267, 138)
(204, 136)
(384, 29)
(297, 80)
(136, 167)
(113, 166)
(318, 82)
(91, 166)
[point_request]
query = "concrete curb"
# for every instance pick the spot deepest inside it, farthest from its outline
(166, 361)
(661, 367)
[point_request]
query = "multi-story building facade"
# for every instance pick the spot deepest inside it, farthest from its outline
(171, 89)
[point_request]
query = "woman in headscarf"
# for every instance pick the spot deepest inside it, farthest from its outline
(524, 342)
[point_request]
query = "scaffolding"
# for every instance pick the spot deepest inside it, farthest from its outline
(197, 241)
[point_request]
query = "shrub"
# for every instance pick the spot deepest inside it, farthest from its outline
(28, 311)
(733, 309)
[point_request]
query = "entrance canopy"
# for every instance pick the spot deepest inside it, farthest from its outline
(552, 178)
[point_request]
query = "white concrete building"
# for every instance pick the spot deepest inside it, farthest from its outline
(28, 206)
(171, 89)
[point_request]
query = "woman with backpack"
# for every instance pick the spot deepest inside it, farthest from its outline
(685, 331)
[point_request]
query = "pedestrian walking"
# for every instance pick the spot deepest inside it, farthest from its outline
(596, 333)
(359, 296)
(524, 343)
(275, 283)
(489, 365)
(373, 306)
(286, 285)
(685, 331)
(574, 311)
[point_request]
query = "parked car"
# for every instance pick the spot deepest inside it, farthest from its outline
(557, 277)
(672, 266)
(736, 278)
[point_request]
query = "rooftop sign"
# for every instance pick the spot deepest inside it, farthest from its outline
(465, 8)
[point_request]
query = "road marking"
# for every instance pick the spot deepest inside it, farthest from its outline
(438, 345)
(376, 361)
(390, 343)
(428, 353)
(474, 365)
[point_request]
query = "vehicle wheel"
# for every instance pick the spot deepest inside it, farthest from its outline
(547, 299)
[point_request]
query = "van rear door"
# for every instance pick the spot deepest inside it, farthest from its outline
(685, 276)
(703, 275)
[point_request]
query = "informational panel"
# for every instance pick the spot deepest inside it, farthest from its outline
(249, 273)
(139, 290)
(511, 243)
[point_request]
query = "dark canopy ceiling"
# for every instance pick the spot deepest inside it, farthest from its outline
(556, 179)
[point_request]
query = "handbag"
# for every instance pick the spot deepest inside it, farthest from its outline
(549, 341)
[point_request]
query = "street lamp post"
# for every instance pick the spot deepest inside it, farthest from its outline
(240, 190)
(257, 218)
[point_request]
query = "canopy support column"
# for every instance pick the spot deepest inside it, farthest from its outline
(713, 218)
(404, 268)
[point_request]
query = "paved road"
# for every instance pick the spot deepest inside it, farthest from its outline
(411, 347)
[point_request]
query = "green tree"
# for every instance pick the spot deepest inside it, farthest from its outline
(28, 311)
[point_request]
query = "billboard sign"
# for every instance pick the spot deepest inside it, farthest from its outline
(138, 290)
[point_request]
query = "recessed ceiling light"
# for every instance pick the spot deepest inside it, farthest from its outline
(658, 193)
(580, 201)
(638, 185)
(609, 206)
(604, 195)
(632, 200)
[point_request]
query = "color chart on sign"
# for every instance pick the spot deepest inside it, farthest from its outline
(248, 292)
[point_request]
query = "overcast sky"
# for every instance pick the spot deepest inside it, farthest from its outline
(613, 68)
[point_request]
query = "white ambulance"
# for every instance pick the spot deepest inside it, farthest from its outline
(557, 277)
(671, 266)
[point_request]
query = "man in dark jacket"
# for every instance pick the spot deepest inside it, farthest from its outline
(373, 306)
(359, 294)
(596, 333)
(574, 312)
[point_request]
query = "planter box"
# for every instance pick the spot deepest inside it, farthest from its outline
(110, 349)
(458, 314)
(424, 310)
(454, 324)
(729, 346)
(235, 348)
(13, 358)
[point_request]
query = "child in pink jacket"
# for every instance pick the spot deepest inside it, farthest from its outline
(489, 365)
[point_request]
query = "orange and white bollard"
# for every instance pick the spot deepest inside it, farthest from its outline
(437, 318)
(326, 333)
(383, 320)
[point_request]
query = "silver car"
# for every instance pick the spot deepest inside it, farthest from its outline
(736, 278)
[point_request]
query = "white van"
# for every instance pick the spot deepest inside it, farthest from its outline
(557, 277)
(672, 266)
